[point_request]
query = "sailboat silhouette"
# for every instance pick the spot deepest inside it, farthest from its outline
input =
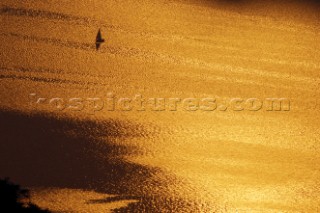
(99, 40)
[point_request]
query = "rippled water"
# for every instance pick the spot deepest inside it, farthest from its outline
(161, 160)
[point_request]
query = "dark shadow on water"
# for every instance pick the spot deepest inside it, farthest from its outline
(38, 150)
(302, 10)
(45, 151)
(13, 199)
(114, 199)
(230, 2)
(298, 11)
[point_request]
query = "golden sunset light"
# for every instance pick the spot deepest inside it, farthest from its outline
(160, 106)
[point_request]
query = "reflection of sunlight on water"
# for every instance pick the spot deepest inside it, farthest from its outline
(240, 164)
(68, 200)
(227, 161)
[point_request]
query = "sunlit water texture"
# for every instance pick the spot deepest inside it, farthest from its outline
(161, 161)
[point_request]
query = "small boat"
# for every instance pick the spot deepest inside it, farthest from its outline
(99, 40)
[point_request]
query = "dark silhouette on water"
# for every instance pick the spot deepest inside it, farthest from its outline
(43, 150)
(99, 40)
(12, 199)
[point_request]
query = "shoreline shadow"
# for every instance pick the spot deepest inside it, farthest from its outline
(41, 150)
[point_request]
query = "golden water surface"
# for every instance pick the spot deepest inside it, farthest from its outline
(162, 160)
